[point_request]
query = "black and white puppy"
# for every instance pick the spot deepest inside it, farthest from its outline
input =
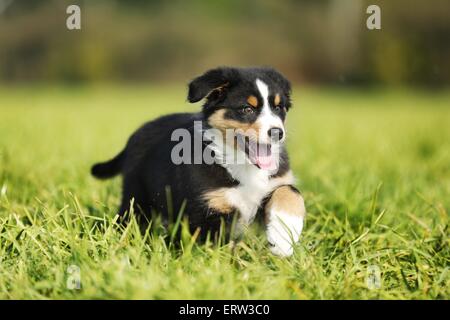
(238, 171)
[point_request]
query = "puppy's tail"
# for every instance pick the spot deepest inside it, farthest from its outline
(109, 169)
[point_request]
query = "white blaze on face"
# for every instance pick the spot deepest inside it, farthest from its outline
(267, 119)
(265, 152)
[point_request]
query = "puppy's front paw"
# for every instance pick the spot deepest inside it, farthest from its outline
(283, 231)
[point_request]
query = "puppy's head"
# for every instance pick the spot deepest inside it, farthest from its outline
(252, 102)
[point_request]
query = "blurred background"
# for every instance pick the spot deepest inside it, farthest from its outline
(311, 41)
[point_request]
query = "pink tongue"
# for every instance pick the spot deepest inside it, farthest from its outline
(265, 162)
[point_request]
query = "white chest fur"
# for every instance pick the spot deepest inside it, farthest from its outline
(254, 185)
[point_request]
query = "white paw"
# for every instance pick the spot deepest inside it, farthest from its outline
(283, 231)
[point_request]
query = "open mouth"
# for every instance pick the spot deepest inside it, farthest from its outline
(259, 154)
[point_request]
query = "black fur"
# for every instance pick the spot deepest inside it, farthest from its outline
(109, 169)
(146, 166)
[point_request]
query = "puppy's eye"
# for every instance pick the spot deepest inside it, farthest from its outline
(278, 108)
(247, 110)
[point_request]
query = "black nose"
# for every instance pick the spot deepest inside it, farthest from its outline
(276, 134)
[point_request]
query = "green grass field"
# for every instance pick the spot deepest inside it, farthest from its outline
(374, 168)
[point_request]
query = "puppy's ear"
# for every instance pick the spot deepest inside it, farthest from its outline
(213, 80)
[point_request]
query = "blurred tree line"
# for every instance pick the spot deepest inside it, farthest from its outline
(316, 41)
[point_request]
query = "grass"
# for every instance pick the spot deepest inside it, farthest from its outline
(374, 168)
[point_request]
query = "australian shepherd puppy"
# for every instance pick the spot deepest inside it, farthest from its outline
(221, 167)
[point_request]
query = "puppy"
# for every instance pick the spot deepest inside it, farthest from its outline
(220, 167)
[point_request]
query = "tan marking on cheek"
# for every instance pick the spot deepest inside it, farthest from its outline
(217, 200)
(286, 200)
(253, 101)
(254, 127)
(217, 120)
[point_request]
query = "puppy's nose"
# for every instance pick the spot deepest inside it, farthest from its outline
(275, 134)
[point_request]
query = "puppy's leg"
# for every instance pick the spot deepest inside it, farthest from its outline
(285, 212)
(220, 213)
